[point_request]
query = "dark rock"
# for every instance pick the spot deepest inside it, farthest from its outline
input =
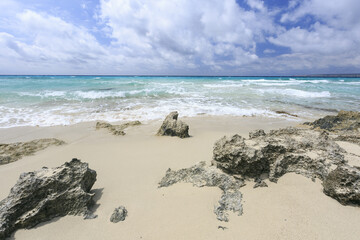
(173, 127)
(303, 151)
(286, 113)
(11, 152)
(260, 183)
(257, 133)
(343, 184)
(117, 130)
(345, 120)
(200, 175)
(50, 192)
(119, 214)
(348, 136)
(345, 126)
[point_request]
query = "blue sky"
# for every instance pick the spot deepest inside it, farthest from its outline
(181, 37)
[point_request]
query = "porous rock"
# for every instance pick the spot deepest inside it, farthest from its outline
(345, 126)
(173, 127)
(343, 184)
(257, 133)
(119, 214)
(303, 151)
(345, 120)
(260, 183)
(201, 175)
(11, 152)
(117, 130)
(47, 193)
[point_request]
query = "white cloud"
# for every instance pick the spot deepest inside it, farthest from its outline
(180, 37)
(185, 31)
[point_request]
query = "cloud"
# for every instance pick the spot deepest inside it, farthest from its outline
(177, 33)
(179, 37)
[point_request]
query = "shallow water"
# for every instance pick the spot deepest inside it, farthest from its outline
(62, 100)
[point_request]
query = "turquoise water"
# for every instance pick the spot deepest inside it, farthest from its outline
(63, 100)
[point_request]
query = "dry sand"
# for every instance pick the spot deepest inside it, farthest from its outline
(129, 168)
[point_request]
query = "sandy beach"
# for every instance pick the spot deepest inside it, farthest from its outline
(130, 167)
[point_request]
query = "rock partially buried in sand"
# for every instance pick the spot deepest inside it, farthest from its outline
(201, 175)
(310, 153)
(343, 184)
(117, 130)
(345, 120)
(50, 192)
(119, 214)
(173, 127)
(11, 152)
(345, 125)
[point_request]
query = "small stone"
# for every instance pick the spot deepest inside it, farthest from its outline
(260, 183)
(119, 214)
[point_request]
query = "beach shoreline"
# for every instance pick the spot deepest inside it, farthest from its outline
(130, 167)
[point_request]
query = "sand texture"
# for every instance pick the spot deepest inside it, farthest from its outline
(129, 169)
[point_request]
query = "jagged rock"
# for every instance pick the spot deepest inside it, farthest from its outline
(119, 214)
(345, 120)
(257, 133)
(343, 184)
(303, 151)
(348, 136)
(50, 192)
(173, 127)
(11, 152)
(116, 129)
(201, 175)
(260, 183)
(345, 126)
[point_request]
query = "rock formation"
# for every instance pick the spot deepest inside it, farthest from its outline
(345, 120)
(119, 214)
(201, 175)
(302, 151)
(50, 192)
(11, 152)
(345, 125)
(173, 127)
(343, 184)
(117, 130)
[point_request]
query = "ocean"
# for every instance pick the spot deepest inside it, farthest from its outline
(65, 100)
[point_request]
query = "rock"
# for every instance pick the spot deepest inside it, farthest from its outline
(345, 120)
(343, 184)
(260, 183)
(119, 214)
(345, 126)
(201, 175)
(11, 152)
(257, 133)
(117, 130)
(303, 151)
(173, 127)
(348, 136)
(47, 193)
(286, 113)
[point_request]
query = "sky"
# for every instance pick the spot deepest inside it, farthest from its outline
(179, 37)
